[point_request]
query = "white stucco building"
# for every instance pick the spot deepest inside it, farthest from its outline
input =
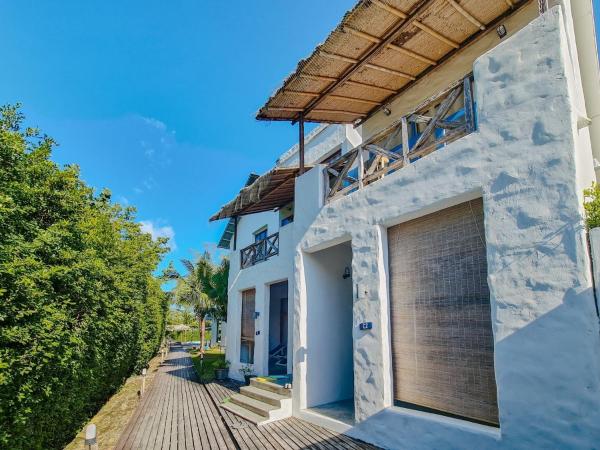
(439, 284)
(261, 285)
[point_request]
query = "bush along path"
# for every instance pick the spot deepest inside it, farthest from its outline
(80, 309)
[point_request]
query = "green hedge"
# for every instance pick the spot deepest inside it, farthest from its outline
(79, 307)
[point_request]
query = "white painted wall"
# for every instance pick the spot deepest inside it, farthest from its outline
(321, 142)
(527, 163)
(329, 345)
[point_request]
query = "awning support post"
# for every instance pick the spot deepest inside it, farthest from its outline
(301, 142)
(235, 223)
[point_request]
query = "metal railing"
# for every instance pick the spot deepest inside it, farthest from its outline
(259, 251)
(439, 120)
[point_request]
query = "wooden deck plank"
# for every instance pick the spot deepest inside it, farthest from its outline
(157, 395)
(164, 406)
(178, 412)
(192, 437)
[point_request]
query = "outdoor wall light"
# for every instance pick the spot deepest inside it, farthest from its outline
(387, 111)
(347, 273)
(501, 30)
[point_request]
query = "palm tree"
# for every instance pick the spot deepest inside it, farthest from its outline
(203, 288)
(216, 286)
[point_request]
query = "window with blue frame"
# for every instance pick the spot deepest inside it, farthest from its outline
(260, 235)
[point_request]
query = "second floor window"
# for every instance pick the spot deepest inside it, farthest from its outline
(260, 235)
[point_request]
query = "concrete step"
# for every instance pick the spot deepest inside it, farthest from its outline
(271, 387)
(251, 404)
(263, 395)
(242, 412)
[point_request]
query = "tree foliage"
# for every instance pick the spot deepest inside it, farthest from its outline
(79, 307)
(203, 289)
(592, 206)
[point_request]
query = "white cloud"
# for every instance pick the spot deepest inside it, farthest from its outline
(156, 231)
(155, 123)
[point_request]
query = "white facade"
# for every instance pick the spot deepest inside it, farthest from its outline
(529, 160)
(320, 143)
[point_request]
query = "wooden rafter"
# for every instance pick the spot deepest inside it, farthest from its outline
(435, 34)
(347, 59)
(388, 38)
(390, 9)
(302, 93)
(397, 48)
(466, 14)
(368, 86)
(490, 26)
(353, 99)
(317, 77)
(284, 109)
(418, 24)
(338, 111)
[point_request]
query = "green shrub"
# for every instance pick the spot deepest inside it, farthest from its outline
(592, 206)
(79, 307)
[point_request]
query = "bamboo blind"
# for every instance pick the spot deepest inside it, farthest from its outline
(442, 343)
(247, 332)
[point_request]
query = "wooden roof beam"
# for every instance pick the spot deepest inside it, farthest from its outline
(353, 99)
(369, 65)
(422, 26)
(317, 77)
(435, 34)
(397, 48)
(348, 82)
(337, 111)
(369, 86)
(466, 14)
(302, 93)
(396, 12)
(388, 38)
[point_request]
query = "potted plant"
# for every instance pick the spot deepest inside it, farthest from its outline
(221, 369)
(248, 372)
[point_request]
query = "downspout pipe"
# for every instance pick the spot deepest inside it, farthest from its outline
(585, 38)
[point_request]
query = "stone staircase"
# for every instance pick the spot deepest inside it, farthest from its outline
(261, 402)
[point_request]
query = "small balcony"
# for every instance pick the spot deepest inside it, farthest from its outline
(259, 251)
(431, 126)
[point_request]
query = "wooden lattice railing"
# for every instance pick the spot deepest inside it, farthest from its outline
(439, 120)
(260, 251)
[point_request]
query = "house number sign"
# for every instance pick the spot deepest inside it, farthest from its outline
(365, 326)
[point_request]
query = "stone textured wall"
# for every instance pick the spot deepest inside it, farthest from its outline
(522, 162)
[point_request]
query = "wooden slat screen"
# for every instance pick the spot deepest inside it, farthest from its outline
(248, 329)
(442, 343)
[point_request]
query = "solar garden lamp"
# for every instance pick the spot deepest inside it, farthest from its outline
(91, 442)
(144, 372)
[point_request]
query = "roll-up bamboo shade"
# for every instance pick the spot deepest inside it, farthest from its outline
(442, 342)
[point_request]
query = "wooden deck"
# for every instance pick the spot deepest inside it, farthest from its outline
(180, 413)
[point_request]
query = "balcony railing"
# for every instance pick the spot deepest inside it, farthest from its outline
(439, 120)
(260, 251)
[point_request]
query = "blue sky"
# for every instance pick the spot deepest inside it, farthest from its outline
(155, 99)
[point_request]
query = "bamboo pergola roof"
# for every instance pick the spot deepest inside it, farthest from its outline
(269, 191)
(229, 230)
(380, 48)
